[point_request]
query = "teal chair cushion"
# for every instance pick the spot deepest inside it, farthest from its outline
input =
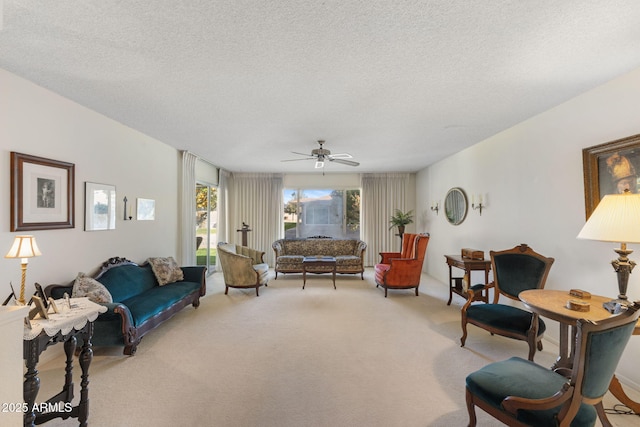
(504, 317)
(520, 377)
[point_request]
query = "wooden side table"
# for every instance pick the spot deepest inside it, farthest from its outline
(551, 303)
(467, 265)
(66, 327)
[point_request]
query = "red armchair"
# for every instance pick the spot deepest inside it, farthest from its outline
(402, 270)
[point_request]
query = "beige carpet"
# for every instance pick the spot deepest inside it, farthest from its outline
(293, 357)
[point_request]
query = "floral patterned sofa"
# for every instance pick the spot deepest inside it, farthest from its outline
(349, 254)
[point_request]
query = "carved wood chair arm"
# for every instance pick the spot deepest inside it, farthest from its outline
(512, 404)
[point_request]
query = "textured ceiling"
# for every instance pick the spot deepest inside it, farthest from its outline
(398, 84)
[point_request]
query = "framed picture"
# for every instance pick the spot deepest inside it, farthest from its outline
(610, 168)
(146, 210)
(41, 193)
(99, 206)
(39, 309)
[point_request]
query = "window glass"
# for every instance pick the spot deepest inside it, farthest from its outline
(325, 212)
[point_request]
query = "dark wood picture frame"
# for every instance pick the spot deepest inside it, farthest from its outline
(42, 193)
(609, 168)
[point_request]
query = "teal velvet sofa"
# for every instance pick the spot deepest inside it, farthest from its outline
(139, 304)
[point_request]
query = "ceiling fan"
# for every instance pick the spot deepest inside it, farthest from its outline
(321, 155)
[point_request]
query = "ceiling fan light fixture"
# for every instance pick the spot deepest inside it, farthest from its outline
(320, 155)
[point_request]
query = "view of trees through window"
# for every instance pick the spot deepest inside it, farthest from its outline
(331, 213)
(206, 225)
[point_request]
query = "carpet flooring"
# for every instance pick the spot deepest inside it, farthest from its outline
(293, 357)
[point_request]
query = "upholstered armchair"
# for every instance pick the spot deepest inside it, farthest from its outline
(402, 270)
(242, 267)
(514, 270)
(519, 392)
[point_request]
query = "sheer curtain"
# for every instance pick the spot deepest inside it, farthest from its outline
(256, 199)
(382, 194)
(188, 210)
(223, 210)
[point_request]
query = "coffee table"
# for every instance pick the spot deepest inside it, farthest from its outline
(311, 264)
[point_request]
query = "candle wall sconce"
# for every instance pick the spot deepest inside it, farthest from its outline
(126, 217)
(435, 207)
(479, 205)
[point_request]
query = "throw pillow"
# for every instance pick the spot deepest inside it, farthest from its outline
(166, 270)
(85, 286)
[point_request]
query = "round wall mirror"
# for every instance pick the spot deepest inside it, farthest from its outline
(455, 206)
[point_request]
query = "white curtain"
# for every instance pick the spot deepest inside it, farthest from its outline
(255, 199)
(382, 194)
(188, 210)
(223, 209)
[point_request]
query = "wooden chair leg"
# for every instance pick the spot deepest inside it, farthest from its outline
(463, 338)
(226, 290)
(471, 409)
(532, 350)
(602, 416)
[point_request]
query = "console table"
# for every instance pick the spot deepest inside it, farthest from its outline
(66, 327)
(468, 265)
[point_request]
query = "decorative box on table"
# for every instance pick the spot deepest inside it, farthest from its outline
(472, 253)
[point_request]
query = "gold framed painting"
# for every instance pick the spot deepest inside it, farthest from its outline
(610, 168)
(42, 193)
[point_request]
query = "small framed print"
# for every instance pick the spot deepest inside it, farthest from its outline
(42, 193)
(146, 210)
(99, 206)
(40, 293)
(39, 309)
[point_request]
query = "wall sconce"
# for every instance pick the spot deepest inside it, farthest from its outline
(477, 206)
(435, 206)
(125, 200)
(24, 247)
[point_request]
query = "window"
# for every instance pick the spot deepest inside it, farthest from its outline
(328, 212)
(206, 225)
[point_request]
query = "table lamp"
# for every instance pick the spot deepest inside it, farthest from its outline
(24, 247)
(616, 219)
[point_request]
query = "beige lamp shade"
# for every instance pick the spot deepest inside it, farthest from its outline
(23, 247)
(615, 219)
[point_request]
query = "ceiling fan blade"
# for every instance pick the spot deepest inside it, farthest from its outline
(302, 154)
(295, 160)
(342, 156)
(345, 162)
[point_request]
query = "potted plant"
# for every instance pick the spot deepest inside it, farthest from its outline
(400, 219)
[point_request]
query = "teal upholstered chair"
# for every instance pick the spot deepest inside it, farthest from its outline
(519, 392)
(514, 270)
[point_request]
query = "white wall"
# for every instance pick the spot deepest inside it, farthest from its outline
(38, 122)
(531, 178)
